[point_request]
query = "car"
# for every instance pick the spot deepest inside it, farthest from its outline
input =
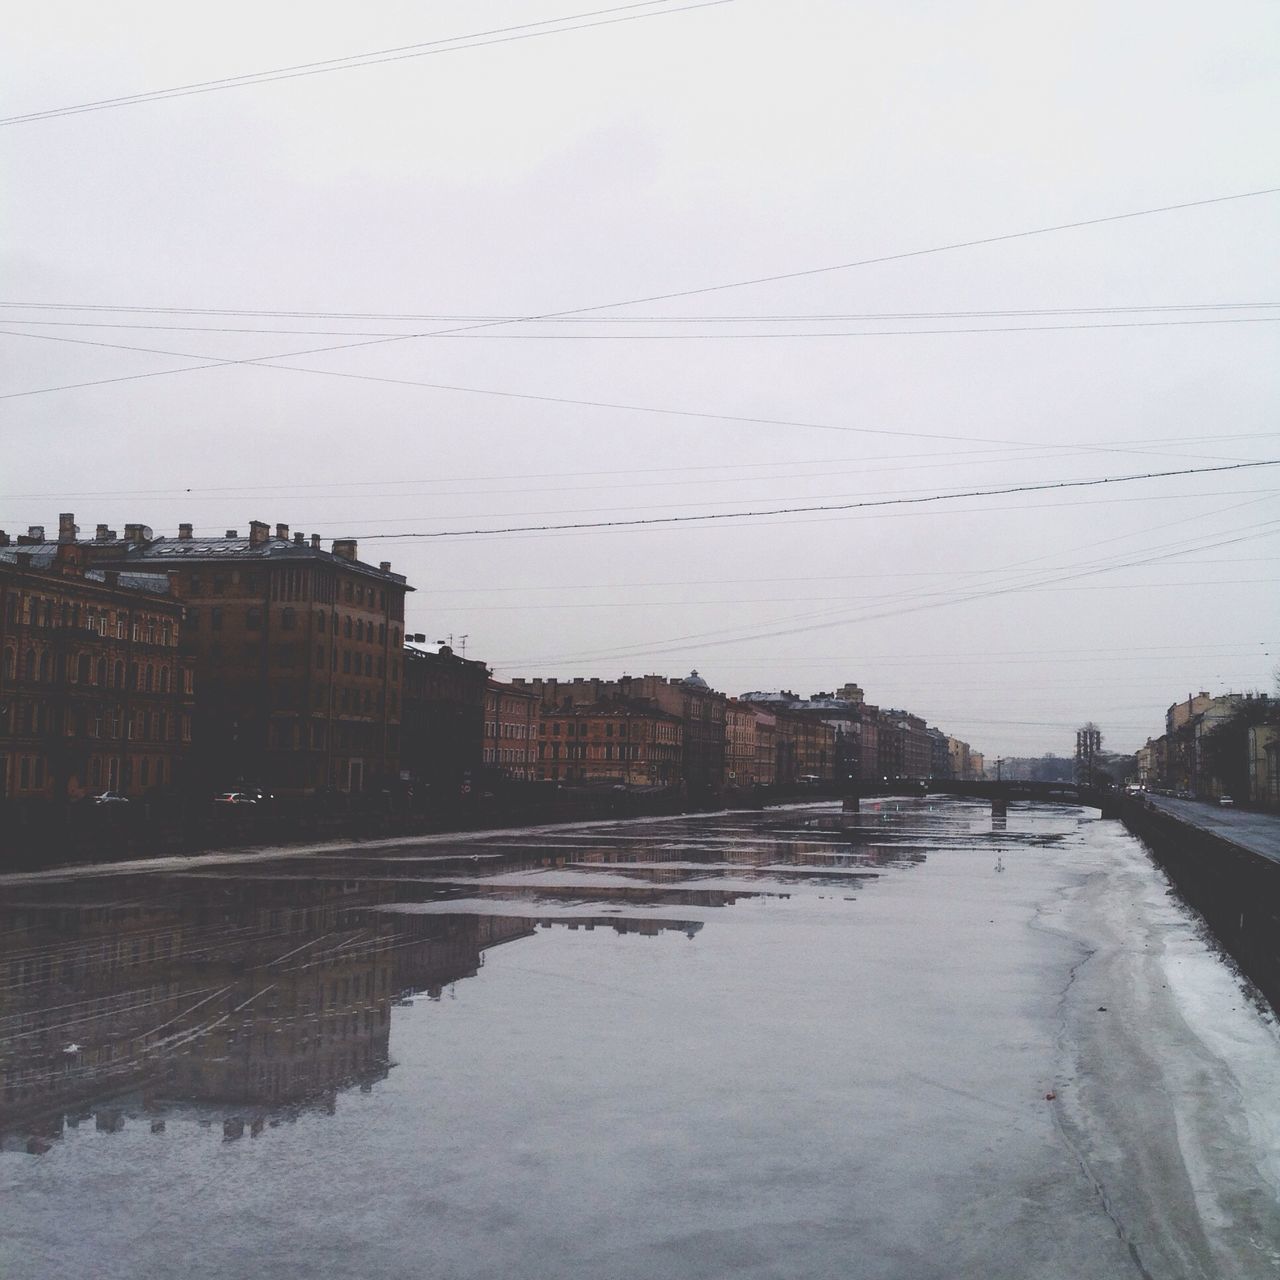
(235, 797)
(111, 797)
(1227, 801)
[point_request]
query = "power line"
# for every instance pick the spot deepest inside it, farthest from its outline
(427, 48)
(820, 622)
(689, 337)
(843, 506)
(268, 361)
(781, 600)
(901, 317)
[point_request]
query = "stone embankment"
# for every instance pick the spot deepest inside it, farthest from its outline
(1225, 864)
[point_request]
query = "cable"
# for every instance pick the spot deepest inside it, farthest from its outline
(269, 360)
(843, 506)
(428, 48)
(820, 622)
(905, 317)
(771, 318)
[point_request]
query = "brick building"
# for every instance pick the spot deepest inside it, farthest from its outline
(700, 708)
(297, 653)
(95, 691)
(614, 740)
(511, 731)
(906, 750)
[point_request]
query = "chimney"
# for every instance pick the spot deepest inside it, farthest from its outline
(315, 542)
(233, 533)
(67, 528)
(35, 532)
(133, 532)
(4, 538)
(385, 566)
(184, 533)
(299, 539)
(259, 532)
(282, 532)
(344, 548)
(101, 533)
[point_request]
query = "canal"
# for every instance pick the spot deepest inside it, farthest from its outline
(915, 1042)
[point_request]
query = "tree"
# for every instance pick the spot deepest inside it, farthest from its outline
(1088, 749)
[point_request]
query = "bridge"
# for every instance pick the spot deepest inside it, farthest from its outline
(1105, 799)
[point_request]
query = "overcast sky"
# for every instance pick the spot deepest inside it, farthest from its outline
(594, 169)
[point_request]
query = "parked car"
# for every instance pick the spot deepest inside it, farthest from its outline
(235, 797)
(111, 797)
(1226, 800)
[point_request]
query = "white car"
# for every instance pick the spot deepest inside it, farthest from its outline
(235, 797)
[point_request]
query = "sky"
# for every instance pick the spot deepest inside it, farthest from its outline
(546, 265)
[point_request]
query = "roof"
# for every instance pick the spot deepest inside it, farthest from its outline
(44, 556)
(176, 551)
(186, 550)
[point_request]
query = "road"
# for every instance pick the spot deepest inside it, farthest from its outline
(1259, 832)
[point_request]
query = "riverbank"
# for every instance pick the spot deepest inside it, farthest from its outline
(1226, 865)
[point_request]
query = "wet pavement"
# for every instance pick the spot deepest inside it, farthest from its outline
(1250, 829)
(914, 1042)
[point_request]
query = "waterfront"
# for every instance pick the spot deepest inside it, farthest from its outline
(914, 1042)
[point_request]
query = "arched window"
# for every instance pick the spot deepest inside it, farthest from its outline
(46, 667)
(117, 678)
(346, 626)
(164, 679)
(102, 671)
(10, 664)
(149, 677)
(83, 664)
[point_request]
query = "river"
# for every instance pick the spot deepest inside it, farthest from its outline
(917, 1042)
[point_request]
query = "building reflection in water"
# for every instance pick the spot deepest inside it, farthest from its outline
(263, 994)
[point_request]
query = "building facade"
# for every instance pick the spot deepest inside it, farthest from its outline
(442, 723)
(613, 740)
(700, 709)
(511, 731)
(297, 653)
(96, 693)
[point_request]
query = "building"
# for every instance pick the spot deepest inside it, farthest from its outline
(700, 709)
(297, 653)
(741, 744)
(614, 740)
(96, 693)
(511, 731)
(905, 749)
(837, 755)
(442, 722)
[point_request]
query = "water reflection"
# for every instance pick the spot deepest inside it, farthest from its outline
(270, 987)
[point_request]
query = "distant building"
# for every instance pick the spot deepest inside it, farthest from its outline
(296, 650)
(906, 750)
(700, 709)
(96, 693)
(614, 740)
(511, 731)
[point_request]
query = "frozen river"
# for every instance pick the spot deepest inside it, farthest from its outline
(908, 1043)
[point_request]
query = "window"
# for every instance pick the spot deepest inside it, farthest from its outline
(289, 619)
(215, 618)
(253, 619)
(346, 627)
